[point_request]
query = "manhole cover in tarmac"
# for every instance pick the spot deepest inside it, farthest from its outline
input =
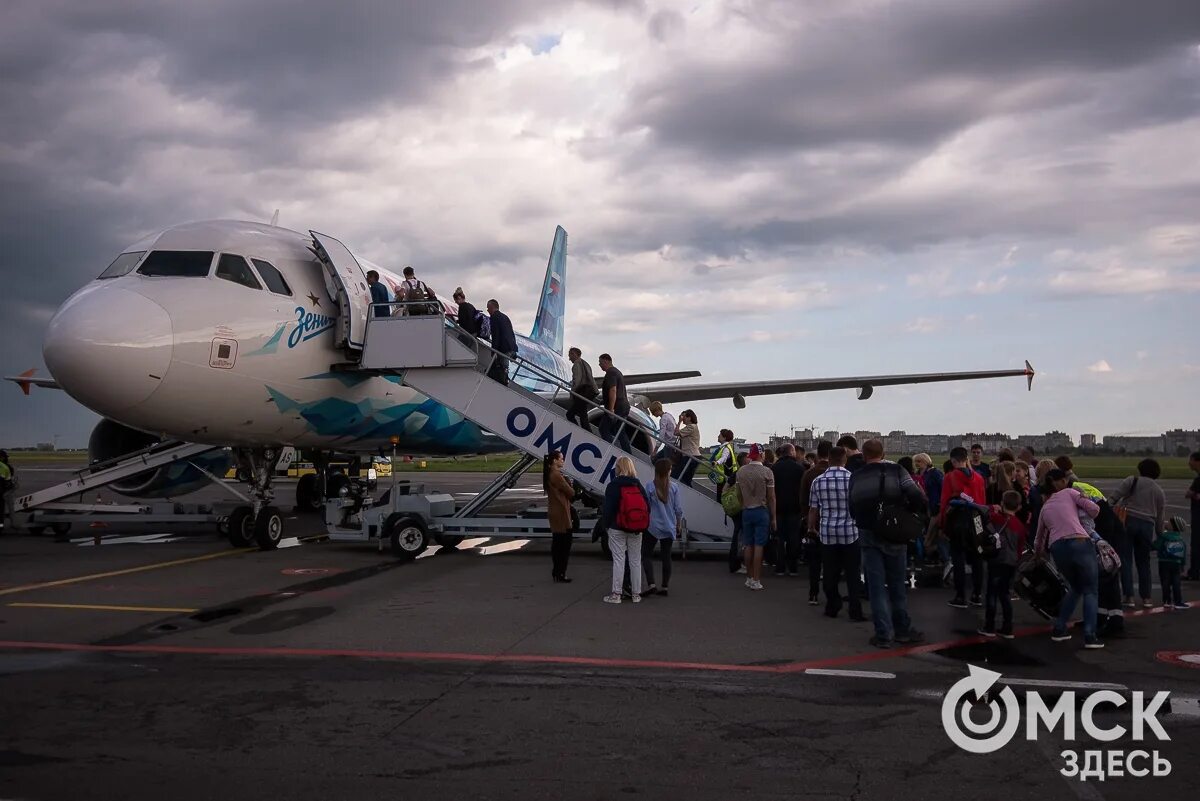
(1190, 659)
(306, 571)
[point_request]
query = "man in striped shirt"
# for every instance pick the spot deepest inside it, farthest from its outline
(829, 515)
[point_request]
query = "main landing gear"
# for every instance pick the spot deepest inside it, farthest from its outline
(259, 523)
(314, 488)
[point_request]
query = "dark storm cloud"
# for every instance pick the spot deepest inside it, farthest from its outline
(908, 74)
(78, 83)
(284, 60)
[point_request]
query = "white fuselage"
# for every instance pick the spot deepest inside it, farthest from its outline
(206, 359)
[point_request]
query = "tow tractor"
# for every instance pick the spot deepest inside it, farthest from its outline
(408, 519)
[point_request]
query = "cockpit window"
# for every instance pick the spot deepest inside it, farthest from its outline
(122, 264)
(272, 277)
(177, 263)
(234, 268)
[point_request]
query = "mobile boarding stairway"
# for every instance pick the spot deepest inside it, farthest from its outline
(442, 361)
(48, 508)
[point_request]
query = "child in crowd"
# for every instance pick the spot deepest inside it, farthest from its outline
(1171, 554)
(1002, 567)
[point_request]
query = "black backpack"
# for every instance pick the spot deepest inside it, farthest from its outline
(988, 541)
(895, 523)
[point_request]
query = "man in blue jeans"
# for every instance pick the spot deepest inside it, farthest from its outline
(876, 483)
(756, 489)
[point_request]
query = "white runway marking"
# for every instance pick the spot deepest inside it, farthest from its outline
(138, 539)
(1066, 685)
(856, 674)
(1185, 706)
(430, 551)
(471, 542)
(503, 547)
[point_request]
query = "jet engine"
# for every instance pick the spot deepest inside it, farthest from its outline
(111, 440)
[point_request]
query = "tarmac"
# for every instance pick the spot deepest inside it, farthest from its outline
(186, 667)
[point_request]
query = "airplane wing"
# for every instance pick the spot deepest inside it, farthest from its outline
(27, 379)
(738, 391)
(650, 378)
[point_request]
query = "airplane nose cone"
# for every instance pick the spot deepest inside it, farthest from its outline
(109, 348)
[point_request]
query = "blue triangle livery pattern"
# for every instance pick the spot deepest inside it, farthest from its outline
(425, 425)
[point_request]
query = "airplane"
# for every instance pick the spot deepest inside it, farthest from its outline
(231, 333)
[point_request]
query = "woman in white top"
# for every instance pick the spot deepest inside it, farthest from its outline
(689, 444)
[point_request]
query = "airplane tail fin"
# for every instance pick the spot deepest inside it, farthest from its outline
(548, 324)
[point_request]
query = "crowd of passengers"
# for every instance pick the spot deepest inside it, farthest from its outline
(832, 512)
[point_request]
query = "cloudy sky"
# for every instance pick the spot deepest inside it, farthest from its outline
(754, 189)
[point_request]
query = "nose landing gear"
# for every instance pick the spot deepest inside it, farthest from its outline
(259, 523)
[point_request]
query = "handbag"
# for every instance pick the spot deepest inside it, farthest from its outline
(1121, 509)
(894, 522)
(1110, 562)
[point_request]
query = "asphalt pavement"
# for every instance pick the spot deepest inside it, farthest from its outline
(187, 668)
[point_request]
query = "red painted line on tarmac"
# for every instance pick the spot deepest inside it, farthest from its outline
(536, 659)
(425, 656)
(533, 659)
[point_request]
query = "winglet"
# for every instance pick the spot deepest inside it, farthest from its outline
(26, 380)
(24, 385)
(1029, 375)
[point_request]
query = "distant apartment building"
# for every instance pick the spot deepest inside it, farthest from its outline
(990, 442)
(775, 441)
(1124, 444)
(901, 443)
(897, 443)
(1178, 442)
(1044, 444)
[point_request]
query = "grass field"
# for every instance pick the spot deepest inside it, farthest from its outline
(471, 464)
(20, 457)
(1086, 467)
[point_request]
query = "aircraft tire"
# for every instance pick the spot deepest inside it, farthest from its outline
(308, 494)
(407, 536)
(268, 528)
(241, 527)
(334, 483)
(449, 541)
(60, 529)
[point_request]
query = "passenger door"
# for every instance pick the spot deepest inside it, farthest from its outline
(348, 284)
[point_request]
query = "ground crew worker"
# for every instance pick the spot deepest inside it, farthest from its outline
(8, 487)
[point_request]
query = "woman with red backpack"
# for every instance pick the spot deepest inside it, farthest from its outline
(626, 516)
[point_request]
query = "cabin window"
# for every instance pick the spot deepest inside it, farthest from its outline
(177, 263)
(123, 264)
(272, 277)
(234, 268)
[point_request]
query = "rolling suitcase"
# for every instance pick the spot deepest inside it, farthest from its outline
(930, 576)
(1041, 585)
